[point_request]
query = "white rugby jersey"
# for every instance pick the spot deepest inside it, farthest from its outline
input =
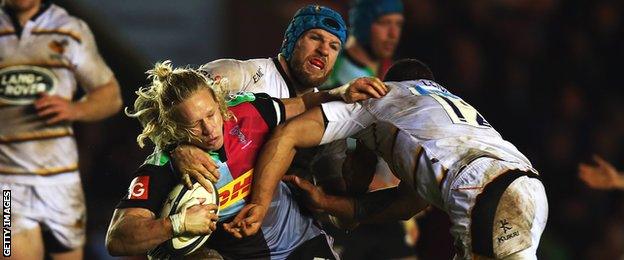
(53, 53)
(255, 75)
(437, 133)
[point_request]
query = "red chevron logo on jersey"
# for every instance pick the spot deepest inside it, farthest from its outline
(139, 188)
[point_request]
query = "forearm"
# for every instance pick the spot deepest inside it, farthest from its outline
(402, 209)
(279, 151)
(386, 205)
(271, 166)
(341, 207)
(620, 182)
(100, 103)
(298, 105)
(136, 236)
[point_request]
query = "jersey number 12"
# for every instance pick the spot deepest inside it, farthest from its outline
(457, 109)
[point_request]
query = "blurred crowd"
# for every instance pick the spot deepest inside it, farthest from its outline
(543, 72)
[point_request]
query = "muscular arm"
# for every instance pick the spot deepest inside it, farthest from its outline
(356, 90)
(404, 205)
(135, 231)
(298, 105)
(99, 103)
(277, 153)
(391, 204)
(279, 150)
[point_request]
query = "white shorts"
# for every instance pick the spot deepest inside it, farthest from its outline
(497, 209)
(58, 209)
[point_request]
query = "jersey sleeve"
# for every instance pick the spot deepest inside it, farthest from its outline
(344, 120)
(90, 68)
(231, 69)
(271, 109)
(149, 188)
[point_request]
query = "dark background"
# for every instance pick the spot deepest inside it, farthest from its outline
(545, 73)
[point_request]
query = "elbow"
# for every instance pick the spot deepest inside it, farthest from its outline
(117, 102)
(114, 244)
(113, 248)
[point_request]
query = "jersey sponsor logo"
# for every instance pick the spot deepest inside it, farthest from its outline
(22, 85)
(505, 226)
(236, 131)
(58, 46)
(236, 190)
(257, 76)
(139, 188)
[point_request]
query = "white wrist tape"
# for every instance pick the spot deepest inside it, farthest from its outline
(340, 91)
(177, 223)
(177, 220)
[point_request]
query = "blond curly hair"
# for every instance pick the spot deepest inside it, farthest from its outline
(154, 106)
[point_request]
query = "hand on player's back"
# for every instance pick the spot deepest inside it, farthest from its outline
(361, 89)
(193, 162)
(314, 196)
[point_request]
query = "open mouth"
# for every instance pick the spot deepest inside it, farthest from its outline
(317, 63)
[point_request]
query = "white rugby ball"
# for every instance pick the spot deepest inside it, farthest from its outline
(183, 245)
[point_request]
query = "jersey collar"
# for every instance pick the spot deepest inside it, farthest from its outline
(291, 88)
(45, 5)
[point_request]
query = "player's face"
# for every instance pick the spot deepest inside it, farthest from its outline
(202, 115)
(314, 56)
(22, 5)
(385, 35)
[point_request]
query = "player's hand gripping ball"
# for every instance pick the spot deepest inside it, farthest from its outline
(178, 201)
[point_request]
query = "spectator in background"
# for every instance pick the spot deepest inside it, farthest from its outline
(45, 53)
(374, 36)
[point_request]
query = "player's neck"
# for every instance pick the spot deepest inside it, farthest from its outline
(299, 89)
(357, 52)
(23, 16)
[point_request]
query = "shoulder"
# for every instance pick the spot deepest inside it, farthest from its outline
(163, 172)
(56, 18)
(56, 15)
(221, 68)
(247, 104)
(248, 101)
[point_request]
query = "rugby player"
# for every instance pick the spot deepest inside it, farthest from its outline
(182, 105)
(309, 50)
(45, 53)
(442, 150)
(373, 38)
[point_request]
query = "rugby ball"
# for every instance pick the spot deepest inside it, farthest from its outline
(178, 198)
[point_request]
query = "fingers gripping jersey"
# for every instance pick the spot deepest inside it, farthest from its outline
(438, 133)
(53, 53)
(285, 226)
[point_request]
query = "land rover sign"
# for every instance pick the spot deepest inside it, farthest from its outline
(21, 85)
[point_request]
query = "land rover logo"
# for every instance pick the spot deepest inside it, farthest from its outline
(21, 85)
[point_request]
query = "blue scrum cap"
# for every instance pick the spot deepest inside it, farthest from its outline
(364, 12)
(312, 17)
